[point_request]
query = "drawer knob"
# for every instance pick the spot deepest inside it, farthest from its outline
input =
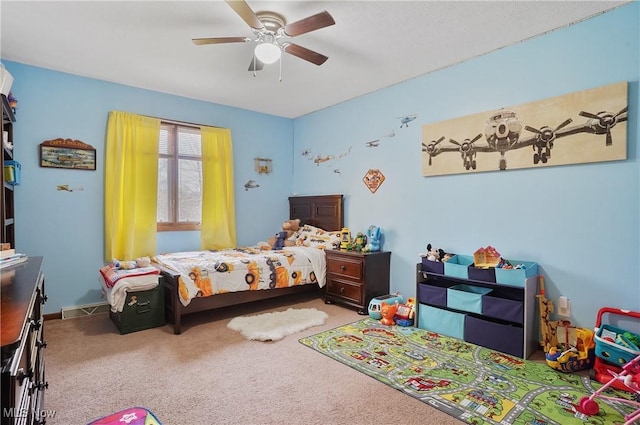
(35, 324)
(22, 375)
(342, 289)
(342, 267)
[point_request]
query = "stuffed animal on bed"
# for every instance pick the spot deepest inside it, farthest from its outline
(281, 240)
(289, 227)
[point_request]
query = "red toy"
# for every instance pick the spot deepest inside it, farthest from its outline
(612, 355)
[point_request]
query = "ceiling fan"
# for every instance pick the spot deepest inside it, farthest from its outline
(271, 33)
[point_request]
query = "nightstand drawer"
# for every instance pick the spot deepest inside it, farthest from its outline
(344, 289)
(346, 267)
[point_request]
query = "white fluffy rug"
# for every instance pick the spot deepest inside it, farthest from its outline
(275, 326)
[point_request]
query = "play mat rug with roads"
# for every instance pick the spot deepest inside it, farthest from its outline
(472, 383)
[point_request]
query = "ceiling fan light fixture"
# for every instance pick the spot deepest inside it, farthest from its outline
(267, 53)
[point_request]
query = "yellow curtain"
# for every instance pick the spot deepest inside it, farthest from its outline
(131, 186)
(218, 228)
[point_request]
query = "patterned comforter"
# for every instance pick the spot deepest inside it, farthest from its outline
(206, 273)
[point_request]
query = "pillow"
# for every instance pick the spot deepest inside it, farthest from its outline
(319, 238)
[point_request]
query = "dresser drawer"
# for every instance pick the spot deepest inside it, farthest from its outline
(346, 267)
(344, 289)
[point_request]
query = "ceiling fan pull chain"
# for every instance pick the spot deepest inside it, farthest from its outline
(280, 63)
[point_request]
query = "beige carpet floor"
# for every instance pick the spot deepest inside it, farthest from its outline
(213, 375)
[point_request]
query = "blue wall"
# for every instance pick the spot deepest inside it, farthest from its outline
(580, 223)
(67, 227)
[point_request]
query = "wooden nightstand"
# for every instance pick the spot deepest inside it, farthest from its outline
(353, 278)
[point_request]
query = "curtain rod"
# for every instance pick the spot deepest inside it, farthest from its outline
(190, 124)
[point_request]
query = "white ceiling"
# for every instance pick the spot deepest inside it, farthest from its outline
(374, 44)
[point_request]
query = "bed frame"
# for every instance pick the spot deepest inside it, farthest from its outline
(324, 211)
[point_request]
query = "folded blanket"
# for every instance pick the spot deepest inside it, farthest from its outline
(117, 295)
(111, 275)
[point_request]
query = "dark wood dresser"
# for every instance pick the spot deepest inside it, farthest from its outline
(23, 379)
(353, 278)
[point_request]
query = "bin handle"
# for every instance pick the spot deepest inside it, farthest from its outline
(618, 311)
(144, 307)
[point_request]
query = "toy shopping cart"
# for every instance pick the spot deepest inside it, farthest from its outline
(615, 347)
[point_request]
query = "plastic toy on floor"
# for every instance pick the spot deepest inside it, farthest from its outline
(376, 302)
(575, 352)
(131, 416)
(630, 378)
(406, 312)
(388, 311)
(615, 347)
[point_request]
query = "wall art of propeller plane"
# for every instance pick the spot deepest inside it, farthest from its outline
(505, 132)
(270, 28)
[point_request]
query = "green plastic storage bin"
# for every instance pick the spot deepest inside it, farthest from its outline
(142, 310)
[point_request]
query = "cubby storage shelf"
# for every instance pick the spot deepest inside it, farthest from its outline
(493, 315)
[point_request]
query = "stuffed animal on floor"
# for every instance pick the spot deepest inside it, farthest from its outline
(388, 311)
(289, 227)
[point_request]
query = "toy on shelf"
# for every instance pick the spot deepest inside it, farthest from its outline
(360, 242)
(376, 303)
(435, 254)
(345, 238)
(373, 239)
(486, 257)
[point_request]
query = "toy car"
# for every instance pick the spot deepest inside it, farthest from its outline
(375, 303)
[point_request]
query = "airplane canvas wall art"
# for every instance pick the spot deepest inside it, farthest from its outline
(580, 127)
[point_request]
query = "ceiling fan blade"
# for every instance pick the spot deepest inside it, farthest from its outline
(312, 23)
(255, 64)
(304, 53)
(220, 40)
(246, 13)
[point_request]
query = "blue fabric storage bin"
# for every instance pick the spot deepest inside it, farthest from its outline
(432, 266)
(458, 266)
(431, 293)
(496, 336)
(441, 321)
(504, 308)
(516, 277)
(466, 297)
(482, 275)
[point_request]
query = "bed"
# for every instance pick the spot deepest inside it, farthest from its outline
(321, 211)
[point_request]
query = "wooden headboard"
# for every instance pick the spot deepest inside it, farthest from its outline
(323, 211)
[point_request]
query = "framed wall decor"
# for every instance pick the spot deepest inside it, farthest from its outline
(373, 179)
(67, 153)
(581, 127)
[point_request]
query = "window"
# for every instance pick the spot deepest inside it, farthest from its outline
(179, 178)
